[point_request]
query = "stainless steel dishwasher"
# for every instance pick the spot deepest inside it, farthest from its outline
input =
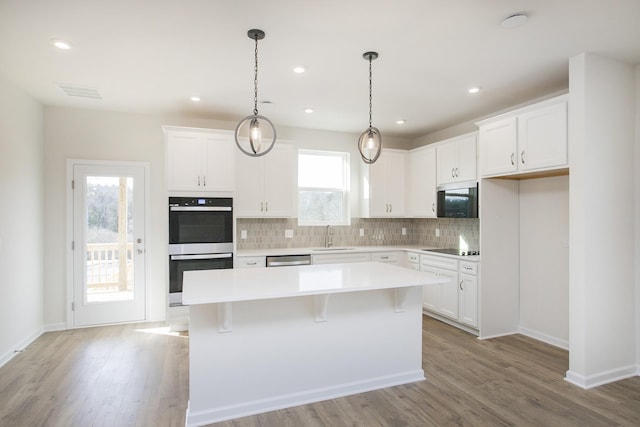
(288, 260)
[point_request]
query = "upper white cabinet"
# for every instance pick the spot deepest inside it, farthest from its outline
(265, 185)
(456, 159)
(383, 185)
(526, 140)
(421, 183)
(200, 160)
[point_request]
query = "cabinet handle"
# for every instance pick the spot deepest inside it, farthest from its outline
(204, 181)
(522, 157)
(266, 206)
(384, 257)
(453, 172)
(513, 163)
(461, 286)
(198, 180)
(252, 263)
(261, 206)
(457, 172)
(433, 207)
(390, 207)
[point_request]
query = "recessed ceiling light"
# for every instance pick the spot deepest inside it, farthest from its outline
(515, 20)
(401, 122)
(299, 69)
(474, 89)
(308, 110)
(195, 98)
(61, 44)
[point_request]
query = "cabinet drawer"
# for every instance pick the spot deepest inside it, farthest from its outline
(439, 262)
(413, 258)
(467, 267)
(250, 262)
(388, 257)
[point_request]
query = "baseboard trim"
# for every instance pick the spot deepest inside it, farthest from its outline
(556, 342)
(213, 415)
(602, 378)
(20, 346)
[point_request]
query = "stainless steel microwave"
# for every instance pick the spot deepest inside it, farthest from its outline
(458, 200)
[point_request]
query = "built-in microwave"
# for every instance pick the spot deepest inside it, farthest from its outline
(458, 200)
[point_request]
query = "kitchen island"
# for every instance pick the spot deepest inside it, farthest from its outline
(262, 339)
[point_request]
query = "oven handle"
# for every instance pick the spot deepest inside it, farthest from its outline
(206, 256)
(200, 208)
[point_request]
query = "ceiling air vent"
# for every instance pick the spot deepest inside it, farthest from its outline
(82, 92)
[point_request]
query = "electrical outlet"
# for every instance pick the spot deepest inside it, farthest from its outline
(404, 231)
(437, 232)
(362, 232)
(288, 234)
(243, 234)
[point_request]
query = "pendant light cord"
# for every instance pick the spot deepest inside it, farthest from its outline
(255, 81)
(370, 84)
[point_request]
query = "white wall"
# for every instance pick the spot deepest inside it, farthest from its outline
(101, 135)
(602, 272)
(20, 219)
(637, 216)
(544, 259)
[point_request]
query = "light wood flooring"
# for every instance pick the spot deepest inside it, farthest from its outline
(124, 376)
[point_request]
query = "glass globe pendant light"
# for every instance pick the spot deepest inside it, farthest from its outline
(253, 140)
(370, 141)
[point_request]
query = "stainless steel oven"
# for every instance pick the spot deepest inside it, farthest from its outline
(200, 238)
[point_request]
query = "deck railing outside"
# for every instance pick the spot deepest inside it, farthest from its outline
(107, 271)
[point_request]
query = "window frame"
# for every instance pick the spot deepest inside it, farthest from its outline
(346, 200)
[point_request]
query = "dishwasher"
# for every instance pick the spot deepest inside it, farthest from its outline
(288, 260)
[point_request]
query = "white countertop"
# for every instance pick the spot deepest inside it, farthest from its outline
(215, 286)
(349, 250)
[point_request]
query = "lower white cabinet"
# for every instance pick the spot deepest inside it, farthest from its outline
(250, 262)
(456, 300)
(340, 258)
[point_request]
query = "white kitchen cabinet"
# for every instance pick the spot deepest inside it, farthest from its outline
(530, 139)
(340, 258)
(421, 183)
(200, 160)
(394, 257)
(250, 262)
(457, 300)
(441, 299)
(265, 185)
(383, 185)
(456, 159)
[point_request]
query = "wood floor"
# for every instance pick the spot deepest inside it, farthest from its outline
(127, 376)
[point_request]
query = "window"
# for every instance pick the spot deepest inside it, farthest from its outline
(323, 188)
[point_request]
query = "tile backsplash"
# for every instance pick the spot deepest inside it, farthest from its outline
(264, 233)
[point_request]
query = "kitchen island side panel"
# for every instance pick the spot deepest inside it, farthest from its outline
(277, 355)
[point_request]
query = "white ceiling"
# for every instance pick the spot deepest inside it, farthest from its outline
(151, 56)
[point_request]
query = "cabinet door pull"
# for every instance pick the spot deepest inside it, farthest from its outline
(433, 207)
(198, 180)
(204, 181)
(266, 206)
(513, 163)
(390, 207)
(261, 206)
(457, 172)
(461, 286)
(252, 263)
(522, 157)
(453, 172)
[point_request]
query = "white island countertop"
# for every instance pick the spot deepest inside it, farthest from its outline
(246, 284)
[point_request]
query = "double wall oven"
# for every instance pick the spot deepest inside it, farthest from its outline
(200, 238)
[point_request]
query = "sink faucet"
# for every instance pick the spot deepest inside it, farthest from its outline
(328, 238)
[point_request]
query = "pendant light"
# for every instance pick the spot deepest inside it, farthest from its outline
(260, 130)
(370, 141)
